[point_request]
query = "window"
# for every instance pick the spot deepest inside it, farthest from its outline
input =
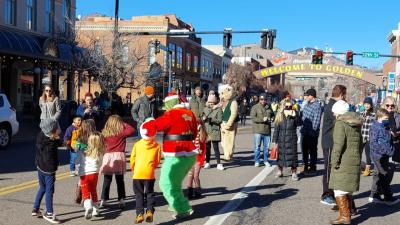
(49, 16)
(203, 62)
(1, 101)
(31, 16)
(179, 53)
(172, 48)
(188, 61)
(10, 12)
(66, 10)
(195, 64)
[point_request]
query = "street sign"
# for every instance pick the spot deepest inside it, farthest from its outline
(391, 84)
(370, 54)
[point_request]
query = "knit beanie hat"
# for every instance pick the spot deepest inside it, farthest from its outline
(368, 100)
(148, 90)
(148, 129)
(212, 99)
(340, 107)
(171, 100)
(48, 126)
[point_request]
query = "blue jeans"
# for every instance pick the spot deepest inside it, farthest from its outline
(72, 158)
(46, 186)
(258, 138)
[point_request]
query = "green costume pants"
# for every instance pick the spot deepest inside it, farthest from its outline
(173, 171)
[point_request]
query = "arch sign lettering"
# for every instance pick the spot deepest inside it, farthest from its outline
(322, 69)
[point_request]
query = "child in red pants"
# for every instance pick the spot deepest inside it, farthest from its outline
(90, 159)
(194, 191)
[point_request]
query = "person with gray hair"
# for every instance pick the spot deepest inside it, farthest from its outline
(389, 103)
(46, 160)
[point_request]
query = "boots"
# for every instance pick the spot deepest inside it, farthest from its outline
(367, 171)
(197, 192)
(353, 209)
(88, 205)
(344, 204)
(190, 193)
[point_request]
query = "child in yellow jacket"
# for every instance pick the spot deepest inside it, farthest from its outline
(145, 157)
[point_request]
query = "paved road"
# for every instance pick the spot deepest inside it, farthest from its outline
(242, 194)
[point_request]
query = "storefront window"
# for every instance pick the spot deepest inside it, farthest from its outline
(195, 64)
(10, 11)
(172, 48)
(66, 14)
(31, 16)
(188, 61)
(179, 53)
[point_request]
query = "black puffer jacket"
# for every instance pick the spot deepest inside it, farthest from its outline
(46, 153)
(285, 135)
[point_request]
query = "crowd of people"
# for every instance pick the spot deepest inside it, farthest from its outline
(96, 144)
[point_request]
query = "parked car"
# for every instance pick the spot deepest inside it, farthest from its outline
(9, 125)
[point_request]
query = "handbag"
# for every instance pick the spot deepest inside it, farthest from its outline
(78, 194)
(273, 152)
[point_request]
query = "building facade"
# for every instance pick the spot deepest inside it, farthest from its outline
(184, 52)
(393, 64)
(34, 48)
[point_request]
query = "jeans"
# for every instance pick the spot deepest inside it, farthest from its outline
(310, 148)
(327, 173)
(216, 151)
(257, 145)
(382, 177)
(367, 153)
(46, 186)
(72, 157)
(144, 192)
(105, 193)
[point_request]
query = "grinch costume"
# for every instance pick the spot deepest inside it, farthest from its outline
(180, 128)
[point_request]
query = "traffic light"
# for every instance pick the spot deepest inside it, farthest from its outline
(227, 38)
(349, 58)
(271, 39)
(264, 39)
(320, 57)
(314, 59)
(157, 46)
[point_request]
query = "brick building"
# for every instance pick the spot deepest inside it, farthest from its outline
(393, 64)
(185, 51)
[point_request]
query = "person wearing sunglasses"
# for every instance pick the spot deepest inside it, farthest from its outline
(389, 104)
(49, 104)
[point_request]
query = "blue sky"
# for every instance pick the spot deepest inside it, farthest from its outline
(359, 25)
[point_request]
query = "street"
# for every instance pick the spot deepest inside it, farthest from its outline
(242, 194)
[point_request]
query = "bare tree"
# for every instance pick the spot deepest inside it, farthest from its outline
(241, 78)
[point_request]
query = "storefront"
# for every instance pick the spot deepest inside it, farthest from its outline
(27, 63)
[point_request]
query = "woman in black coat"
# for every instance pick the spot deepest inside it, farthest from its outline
(285, 136)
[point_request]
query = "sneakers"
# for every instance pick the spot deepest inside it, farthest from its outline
(183, 215)
(149, 216)
(37, 213)
(103, 203)
(207, 166)
(88, 205)
(121, 204)
(375, 199)
(220, 167)
(72, 174)
(328, 200)
(257, 164)
(278, 174)
(139, 219)
(391, 200)
(96, 212)
(267, 164)
(295, 177)
(51, 217)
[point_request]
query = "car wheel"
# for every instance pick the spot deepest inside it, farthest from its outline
(5, 137)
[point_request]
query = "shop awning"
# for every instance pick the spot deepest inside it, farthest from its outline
(19, 44)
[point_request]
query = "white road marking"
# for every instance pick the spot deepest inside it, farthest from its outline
(231, 206)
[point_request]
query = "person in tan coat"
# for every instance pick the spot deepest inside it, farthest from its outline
(229, 121)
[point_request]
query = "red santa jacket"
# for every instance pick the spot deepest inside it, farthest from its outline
(176, 123)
